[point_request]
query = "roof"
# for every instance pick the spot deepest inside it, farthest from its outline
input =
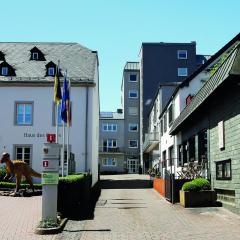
(132, 66)
(79, 61)
(209, 62)
(230, 66)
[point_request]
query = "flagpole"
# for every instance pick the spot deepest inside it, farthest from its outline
(56, 106)
(63, 146)
(68, 123)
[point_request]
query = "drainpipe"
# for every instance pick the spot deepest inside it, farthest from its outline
(86, 131)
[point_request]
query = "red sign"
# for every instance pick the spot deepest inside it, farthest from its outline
(51, 137)
(188, 99)
(45, 163)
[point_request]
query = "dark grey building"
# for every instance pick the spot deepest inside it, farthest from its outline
(162, 63)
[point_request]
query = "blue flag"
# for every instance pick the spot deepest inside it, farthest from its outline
(65, 107)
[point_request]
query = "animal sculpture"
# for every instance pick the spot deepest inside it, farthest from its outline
(18, 169)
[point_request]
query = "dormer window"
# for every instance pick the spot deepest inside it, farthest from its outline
(51, 71)
(37, 54)
(4, 71)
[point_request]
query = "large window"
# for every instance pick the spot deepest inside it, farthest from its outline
(170, 115)
(133, 127)
(132, 77)
(165, 123)
(24, 113)
(109, 162)
(171, 155)
(223, 170)
(110, 143)
(133, 111)
(164, 159)
(182, 54)
(133, 94)
(133, 143)
(109, 127)
(182, 72)
(23, 153)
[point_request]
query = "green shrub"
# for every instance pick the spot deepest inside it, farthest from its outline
(197, 184)
(12, 185)
(2, 173)
(202, 183)
(190, 186)
(73, 190)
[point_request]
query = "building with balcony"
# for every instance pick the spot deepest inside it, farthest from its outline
(111, 142)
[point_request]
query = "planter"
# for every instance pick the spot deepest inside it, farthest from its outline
(198, 199)
(159, 186)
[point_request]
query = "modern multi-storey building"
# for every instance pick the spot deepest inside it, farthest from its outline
(111, 142)
(26, 98)
(131, 105)
(119, 132)
(162, 63)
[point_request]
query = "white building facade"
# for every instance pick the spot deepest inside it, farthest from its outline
(28, 113)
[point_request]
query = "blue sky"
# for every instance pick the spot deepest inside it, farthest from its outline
(116, 29)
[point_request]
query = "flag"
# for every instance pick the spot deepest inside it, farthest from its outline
(65, 107)
(57, 88)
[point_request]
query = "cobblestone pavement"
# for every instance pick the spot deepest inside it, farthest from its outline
(141, 213)
(18, 218)
(128, 210)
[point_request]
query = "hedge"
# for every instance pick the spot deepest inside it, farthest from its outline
(73, 192)
(197, 184)
(12, 185)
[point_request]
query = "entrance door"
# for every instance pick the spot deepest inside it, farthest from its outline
(132, 165)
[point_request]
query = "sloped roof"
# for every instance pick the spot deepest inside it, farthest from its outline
(79, 61)
(231, 66)
(132, 66)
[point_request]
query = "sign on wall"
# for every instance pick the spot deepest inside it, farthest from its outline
(221, 140)
(50, 178)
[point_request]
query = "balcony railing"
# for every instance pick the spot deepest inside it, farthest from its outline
(150, 142)
(111, 150)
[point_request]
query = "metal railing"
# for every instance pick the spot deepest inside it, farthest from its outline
(111, 149)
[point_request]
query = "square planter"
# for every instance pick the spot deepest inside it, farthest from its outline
(198, 199)
(159, 186)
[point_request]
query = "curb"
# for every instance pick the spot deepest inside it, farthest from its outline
(55, 230)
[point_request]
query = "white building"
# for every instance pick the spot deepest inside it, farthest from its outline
(26, 101)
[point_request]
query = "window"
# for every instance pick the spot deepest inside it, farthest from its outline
(171, 156)
(170, 115)
(133, 111)
(165, 123)
(223, 170)
(35, 56)
(24, 114)
(182, 72)
(133, 127)
(182, 54)
(132, 77)
(109, 127)
(110, 143)
(133, 143)
(109, 162)
(161, 127)
(51, 71)
(23, 153)
(133, 94)
(4, 71)
(164, 159)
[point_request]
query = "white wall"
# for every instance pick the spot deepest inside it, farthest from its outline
(43, 119)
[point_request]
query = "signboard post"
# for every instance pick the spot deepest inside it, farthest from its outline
(50, 175)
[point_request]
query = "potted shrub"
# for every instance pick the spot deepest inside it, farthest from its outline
(197, 193)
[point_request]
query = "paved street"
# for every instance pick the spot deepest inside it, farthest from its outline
(127, 210)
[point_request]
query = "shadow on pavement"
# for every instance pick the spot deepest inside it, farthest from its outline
(125, 184)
